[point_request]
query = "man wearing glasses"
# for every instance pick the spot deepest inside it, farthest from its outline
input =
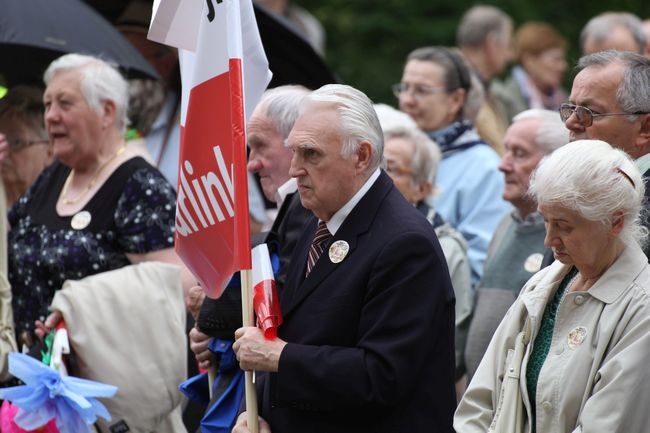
(610, 101)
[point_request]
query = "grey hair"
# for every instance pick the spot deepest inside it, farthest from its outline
(595, 180)
(390, 118)
(100, 82)
(426, 153)
(600, 27)
(458, 75)
(633, 93)
(480, 21)
(281, 104)
(358, 119)
(551, 133)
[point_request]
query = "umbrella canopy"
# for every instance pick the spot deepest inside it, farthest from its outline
(35, 32)
(291, 58)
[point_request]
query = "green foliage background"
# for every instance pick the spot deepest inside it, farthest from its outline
(368, 40)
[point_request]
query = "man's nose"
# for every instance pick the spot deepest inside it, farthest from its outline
(505, 165)
(296, 169)
(573, 123)
(254, 165)
(407, 98)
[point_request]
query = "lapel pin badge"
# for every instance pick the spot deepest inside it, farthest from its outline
(338, 251)
(576, 337)
(533, 262)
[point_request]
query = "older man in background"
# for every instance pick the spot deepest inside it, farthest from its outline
(517, 248)
(610, 101)
(620, 31)
(484, 35)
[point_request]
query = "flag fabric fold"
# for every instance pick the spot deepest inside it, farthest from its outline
(224, 73)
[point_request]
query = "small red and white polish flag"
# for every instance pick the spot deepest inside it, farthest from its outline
(266, 303)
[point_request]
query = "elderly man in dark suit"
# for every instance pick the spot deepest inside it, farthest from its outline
(367, 339)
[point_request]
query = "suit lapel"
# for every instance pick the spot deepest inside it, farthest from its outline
(356, 224)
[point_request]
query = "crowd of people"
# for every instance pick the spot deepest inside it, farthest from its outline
(473, 259)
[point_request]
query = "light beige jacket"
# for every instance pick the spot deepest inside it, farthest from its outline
(596, 377)
(127, 328)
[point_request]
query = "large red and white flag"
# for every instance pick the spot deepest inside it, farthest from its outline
(224, 72)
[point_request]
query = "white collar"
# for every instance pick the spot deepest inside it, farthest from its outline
(285, 189)
(339, 217)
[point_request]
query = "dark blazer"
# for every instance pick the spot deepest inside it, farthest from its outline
(370, 339)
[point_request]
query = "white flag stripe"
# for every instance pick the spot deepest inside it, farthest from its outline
(255, 67)
(174, 25)
(262, 269)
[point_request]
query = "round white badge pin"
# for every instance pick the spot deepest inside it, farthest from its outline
(338, 251)
(80, 220)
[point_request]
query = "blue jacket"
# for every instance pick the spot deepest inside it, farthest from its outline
(470, 199)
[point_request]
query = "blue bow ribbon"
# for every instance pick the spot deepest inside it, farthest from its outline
(46, 394)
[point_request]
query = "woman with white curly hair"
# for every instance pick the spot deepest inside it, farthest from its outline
(586, 317)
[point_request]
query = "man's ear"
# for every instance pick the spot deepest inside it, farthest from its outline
(645, 126)
(364, 156)
(643, 139)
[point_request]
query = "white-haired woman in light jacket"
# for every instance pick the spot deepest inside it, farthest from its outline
(586, 366)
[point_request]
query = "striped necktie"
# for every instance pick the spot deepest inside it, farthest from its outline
(317, 245)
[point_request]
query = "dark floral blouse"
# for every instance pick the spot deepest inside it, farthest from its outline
(133, 212)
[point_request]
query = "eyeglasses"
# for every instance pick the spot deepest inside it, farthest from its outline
(586, 116)
(419, 90)
(18, 144)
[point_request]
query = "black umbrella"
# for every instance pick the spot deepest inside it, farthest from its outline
(35, 32)
(291, 58)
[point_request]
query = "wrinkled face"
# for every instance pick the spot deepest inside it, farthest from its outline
(547, 68)
(574, 239)
(595, 87)
(398, 156)
(518, 162)
(326, 179)
(433, 110)
(268, 157)
(73, 127)
(28, 155)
